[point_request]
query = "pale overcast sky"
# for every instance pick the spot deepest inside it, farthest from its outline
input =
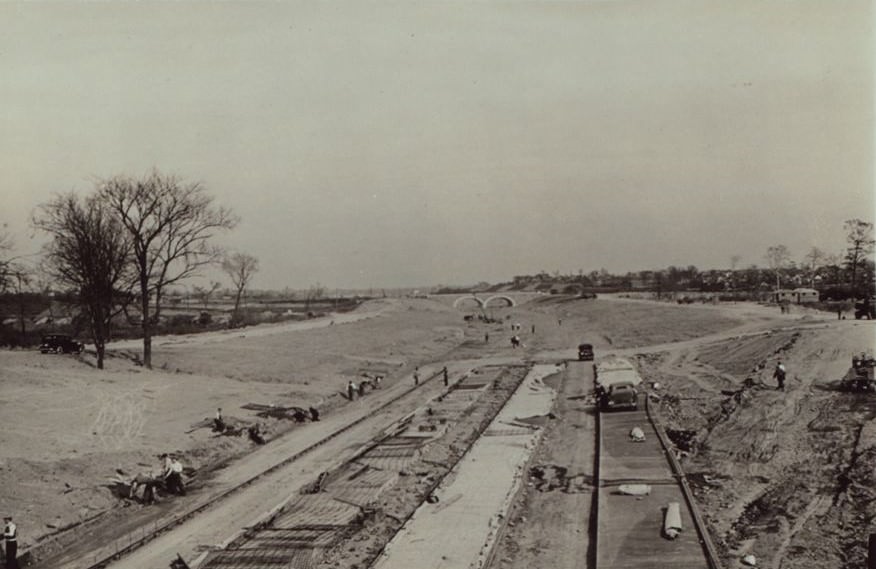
(410, 143)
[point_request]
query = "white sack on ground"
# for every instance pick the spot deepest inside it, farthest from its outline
(672, 521)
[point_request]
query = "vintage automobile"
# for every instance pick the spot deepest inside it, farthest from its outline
(60, 344)
(585, 352)
(619, 396)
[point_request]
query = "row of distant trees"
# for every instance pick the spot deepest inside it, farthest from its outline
(120, 248)
(848, 273)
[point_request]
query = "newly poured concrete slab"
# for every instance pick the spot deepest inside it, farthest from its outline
(630, 532)
(458, 531)
(622, 459)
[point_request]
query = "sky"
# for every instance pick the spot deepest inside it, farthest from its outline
(384, 144)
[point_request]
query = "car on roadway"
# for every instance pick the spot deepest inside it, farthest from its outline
(60, 344)
(621, 395)
(585, 352)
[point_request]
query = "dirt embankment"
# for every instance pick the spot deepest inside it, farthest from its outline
(73, 431)
(778, 474)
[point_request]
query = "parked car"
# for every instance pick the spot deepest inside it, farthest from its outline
(619, 396)
(585, 352)
(60, 344)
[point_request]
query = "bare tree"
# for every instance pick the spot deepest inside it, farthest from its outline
(171, 224)
(203, 293)
(240, 267)
(315, 292)
(777, 258)
(812, 260)
(89, 252)
(6, 262)
(859, 235)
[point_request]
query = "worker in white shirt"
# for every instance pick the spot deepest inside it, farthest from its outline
(173, 475)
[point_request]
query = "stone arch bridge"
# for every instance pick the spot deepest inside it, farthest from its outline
(484, 302)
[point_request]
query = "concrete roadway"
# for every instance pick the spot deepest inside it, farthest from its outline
(630, 529)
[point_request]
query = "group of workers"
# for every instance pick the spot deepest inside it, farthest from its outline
(367, 381)
(170, 479)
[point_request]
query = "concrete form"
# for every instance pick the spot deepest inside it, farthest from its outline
(459, 530)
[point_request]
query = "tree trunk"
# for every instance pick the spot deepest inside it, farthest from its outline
(147, 326)
(237, 305)
(100, 348)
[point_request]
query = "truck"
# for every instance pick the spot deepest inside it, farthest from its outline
(860, 377)
(865, 308)
(617, 385)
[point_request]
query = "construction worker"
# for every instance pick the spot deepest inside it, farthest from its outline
(173, 475)
(218, 423)
(779, 374)
(255, 434)
(351, 390)
(417, 376)
(446, 376)
(314, 414)
(10, 535)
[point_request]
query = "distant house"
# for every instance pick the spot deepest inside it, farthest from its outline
(784, 296)
(805, 295)
(796, 296)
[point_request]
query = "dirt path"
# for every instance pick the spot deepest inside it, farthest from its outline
(549, 525)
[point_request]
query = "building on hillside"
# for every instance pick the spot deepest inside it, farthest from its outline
(805, 295)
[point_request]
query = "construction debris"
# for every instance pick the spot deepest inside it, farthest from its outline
(634, 489)
(637, 435)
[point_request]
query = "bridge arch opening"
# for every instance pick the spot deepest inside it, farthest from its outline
(478, 303)
(500, 298)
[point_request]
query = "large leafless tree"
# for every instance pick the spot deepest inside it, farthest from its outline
(859, 236)
(5, 261)
(778, 257)
(90, 253)
(171, 224)
(240, 268)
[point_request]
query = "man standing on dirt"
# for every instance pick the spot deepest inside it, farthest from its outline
(486, 337)
(446, 377)
(779, 374)
(416, 376)
(218, 423)
(351, 390)
(173, 477)
(10, 535)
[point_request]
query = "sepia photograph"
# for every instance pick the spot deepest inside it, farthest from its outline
(437, 284)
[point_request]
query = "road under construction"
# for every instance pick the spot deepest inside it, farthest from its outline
(425, 476)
